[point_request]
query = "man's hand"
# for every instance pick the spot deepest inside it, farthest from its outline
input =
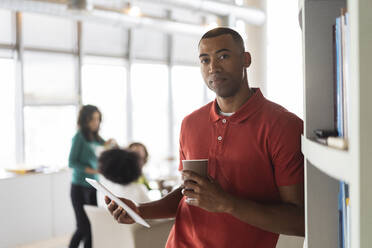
(205, 193)
(120, 215)
(286, 217)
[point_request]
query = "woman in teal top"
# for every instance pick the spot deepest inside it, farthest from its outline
(83, 161)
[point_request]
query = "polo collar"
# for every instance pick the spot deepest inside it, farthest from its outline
(253, 104)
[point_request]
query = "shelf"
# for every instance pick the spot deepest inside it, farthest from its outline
(335, 163)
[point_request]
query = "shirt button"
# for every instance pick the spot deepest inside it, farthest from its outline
(219, 138)
(223, 120)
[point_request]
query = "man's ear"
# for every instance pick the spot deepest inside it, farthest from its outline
(247, 59)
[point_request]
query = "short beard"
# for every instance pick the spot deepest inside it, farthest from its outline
(224, 93)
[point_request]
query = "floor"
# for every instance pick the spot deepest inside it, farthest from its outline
(59, 242)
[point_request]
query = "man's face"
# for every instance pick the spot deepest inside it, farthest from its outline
(222, 65)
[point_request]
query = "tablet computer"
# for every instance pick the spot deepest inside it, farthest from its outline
(105, 191)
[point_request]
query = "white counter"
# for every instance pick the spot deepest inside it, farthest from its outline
(35, 207)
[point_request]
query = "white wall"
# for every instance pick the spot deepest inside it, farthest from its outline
(256, 45)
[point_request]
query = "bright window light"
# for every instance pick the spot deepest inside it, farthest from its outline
(209, 95)
(7, 108)
(51, 32)
(133, 11)
(48, 135)
(98, 38)
(49, 78)
(5, 26)
(284, 59)
(150, 115)
(212, 25)
(239, 2)
(105, 87)
(188, 96)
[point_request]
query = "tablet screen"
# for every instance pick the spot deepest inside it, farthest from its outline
(130, 211)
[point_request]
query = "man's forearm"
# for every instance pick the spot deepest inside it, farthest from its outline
(282, 218)
(166, 207)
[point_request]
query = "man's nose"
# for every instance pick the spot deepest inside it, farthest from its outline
(214, 66)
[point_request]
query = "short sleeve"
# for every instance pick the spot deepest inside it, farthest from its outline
(182, 155)
(285, 150)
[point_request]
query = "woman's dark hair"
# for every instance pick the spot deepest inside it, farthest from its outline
(119, 166)
(86, 115)
(137, 144)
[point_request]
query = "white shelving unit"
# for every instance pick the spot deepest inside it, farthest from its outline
(335, 163)
(325, 166)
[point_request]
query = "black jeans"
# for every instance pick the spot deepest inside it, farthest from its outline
(80, 196)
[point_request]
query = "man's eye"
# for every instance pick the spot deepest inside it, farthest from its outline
(204, 61)
(224, 56)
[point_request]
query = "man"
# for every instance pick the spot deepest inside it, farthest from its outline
(255, 187)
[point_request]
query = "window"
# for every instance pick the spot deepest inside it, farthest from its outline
(49, 78)
(188, 95)
(49, 117)
(7, 104)
(51, 86)
(142, 48)
(5, 27)
(104, 39)
(284, 64)
(150, 114)
(104, 86)
(185, 49)
(51, 32)
(48, 135)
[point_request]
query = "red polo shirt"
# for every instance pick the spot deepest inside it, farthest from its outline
(251, 154)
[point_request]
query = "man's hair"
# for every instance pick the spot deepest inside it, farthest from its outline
(224, 30)
(119, 166)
